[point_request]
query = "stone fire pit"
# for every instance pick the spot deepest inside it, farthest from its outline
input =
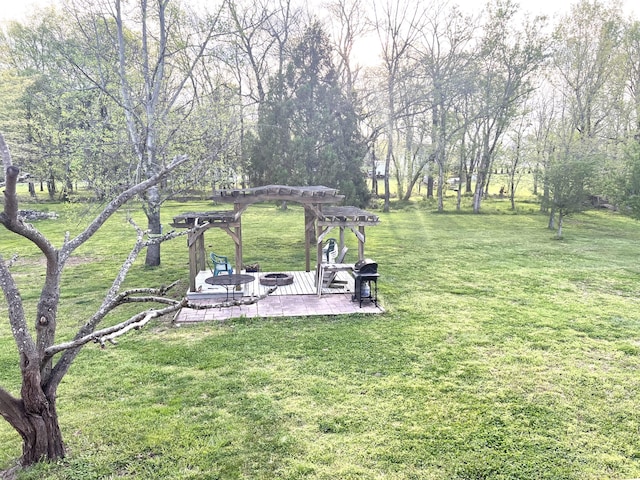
(276, 279)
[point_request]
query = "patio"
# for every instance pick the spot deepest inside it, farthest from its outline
(298, 299)
(303, 296)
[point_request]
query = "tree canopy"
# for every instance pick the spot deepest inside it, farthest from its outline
(308, 128)
(267, 93)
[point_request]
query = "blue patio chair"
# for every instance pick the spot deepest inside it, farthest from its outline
(220, 264)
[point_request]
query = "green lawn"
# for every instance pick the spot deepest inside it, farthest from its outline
(504, 354)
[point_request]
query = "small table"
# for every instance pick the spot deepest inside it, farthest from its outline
(329, 268)
(233, 280)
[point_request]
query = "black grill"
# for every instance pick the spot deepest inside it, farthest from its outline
(365, 267)
(366, 281)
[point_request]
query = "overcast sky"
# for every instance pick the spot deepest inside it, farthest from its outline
(16, 9)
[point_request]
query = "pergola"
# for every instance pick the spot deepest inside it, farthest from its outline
(321, 216)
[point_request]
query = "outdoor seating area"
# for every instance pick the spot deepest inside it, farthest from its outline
(304, 283)
(327, 289)
(296, 299)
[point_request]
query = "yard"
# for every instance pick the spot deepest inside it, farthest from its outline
(503, 354)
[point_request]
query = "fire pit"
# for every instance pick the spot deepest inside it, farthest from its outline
(276, 279)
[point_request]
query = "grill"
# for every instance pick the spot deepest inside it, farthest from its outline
(366, 274)
(365, 267)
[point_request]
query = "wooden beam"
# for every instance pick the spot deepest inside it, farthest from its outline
(309, 235)
(359, 234)
(193, 259)
(361, 240)
(238, 209)
(325, 232)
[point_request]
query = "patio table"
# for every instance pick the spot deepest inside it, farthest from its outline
(234, 280)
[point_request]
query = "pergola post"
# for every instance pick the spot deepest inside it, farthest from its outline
(309, 235)
(197, 261)
(237, 210)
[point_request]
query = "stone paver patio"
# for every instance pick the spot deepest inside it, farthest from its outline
(297, 300)
(282, 306)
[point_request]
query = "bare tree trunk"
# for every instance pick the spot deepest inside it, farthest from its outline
(429, 186)
(374, 171)
(544, 204)
(481, 182)
(552, 219)
(387, 170)
(560, 220)
(36, 420)
(152, 210)
(487, 181)
(51, 186)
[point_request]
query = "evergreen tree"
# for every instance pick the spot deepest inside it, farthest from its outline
(308, 128)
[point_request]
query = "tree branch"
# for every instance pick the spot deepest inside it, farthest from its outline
(4, 153)
(231, 303)
(120, 200)
(109, 333)
(136, 322)
(9, 217)
(23, 339)
(12, 410)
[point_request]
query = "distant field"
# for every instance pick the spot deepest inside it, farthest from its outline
(504, 354)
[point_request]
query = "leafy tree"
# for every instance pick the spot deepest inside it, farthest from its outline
(447, 56)
(348, 24)
(508, 62)
(586, 56)
(632, 57)
(12, 121)
(627, 191)
(571, 170)
(144, 58)
(47, 101)
(398, 24)
(308, 129)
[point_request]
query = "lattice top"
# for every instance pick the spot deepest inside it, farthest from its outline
(308, 194)
(191, 219)
(347, 215)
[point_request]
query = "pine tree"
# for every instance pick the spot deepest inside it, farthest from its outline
(308, 128)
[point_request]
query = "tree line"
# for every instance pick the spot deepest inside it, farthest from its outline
(269, 91)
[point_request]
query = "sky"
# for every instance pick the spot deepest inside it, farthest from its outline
(17, 9)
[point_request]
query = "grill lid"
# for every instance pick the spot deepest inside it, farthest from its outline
(366, 266)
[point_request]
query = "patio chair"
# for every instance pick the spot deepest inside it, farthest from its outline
(220, 264)
(330, 251)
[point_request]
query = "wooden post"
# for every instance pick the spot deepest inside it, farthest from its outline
(193, 260)
(201, 253)
(361, 243)
(319, 232)
(309, 235)
(238, 237)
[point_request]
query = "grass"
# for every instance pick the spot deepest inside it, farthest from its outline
(504, 354)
